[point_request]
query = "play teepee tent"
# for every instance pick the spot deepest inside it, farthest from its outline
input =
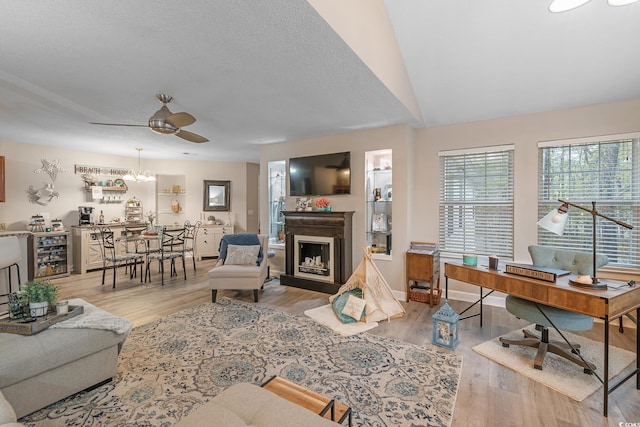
(381, 303)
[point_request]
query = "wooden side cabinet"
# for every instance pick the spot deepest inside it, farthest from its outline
(208, 239)
(423, 268)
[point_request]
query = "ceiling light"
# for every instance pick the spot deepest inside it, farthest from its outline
(564, 5)
(139, 175)
(557, 6)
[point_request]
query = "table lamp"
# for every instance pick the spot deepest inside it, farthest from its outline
(555, 222)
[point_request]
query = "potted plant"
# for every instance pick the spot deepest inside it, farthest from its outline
(40, 294)
(211, 219)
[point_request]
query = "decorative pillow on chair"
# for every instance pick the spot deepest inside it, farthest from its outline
(240, 239)
(242, 254)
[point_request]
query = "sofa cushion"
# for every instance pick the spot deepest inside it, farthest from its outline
(256, 407)
(242, 254)
(7, 414)
(239, 239)
(48, 350)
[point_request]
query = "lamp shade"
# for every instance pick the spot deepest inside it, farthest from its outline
(555, 221)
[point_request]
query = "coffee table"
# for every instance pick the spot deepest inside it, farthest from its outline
(321, 405)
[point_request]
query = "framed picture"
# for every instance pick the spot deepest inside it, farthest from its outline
(217, 196)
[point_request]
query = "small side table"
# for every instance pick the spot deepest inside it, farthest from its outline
(308, 399)
(423, 267)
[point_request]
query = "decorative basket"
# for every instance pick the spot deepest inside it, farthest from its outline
(424, 295)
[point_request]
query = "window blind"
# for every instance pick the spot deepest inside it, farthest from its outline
(476, 202)
(605, 172)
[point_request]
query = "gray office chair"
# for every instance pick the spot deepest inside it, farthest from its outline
(580, 263)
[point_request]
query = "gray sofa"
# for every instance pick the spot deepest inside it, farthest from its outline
(244, 405)
(37, 370)
(7, 414)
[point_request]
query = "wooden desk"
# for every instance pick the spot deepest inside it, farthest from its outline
(607, 304)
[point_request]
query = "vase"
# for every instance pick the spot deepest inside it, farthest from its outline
(328, 209)
(38, 309)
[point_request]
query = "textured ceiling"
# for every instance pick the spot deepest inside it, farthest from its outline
(255, 72)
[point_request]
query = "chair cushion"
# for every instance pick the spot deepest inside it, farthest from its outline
(240, 239)
(562, 319)
(229, 271)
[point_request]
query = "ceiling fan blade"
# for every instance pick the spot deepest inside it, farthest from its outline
(179, 120)
(190, 136)
(118, 124)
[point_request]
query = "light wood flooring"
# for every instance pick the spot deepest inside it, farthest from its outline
(489, 395)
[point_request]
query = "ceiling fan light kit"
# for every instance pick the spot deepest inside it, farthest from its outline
(558, 6)
(165, 122)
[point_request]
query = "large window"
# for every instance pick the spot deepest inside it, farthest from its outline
(603, 171)
(476, 201)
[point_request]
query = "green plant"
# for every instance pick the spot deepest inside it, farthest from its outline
(211, 218)
(39, 290)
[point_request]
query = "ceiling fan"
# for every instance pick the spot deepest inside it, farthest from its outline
(165, 122)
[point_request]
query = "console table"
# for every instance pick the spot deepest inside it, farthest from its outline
(607, 305)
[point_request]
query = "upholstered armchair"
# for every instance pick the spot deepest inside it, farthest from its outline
(242, 264)
(580, 263)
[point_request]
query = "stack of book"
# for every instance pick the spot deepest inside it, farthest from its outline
(423, 248)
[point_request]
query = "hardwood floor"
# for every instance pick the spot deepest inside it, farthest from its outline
(488, 395)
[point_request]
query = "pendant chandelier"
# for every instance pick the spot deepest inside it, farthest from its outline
(139, 175)
(565, 5)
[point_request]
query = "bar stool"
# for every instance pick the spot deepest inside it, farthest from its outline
(10, 257)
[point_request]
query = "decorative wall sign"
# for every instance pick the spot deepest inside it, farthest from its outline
(99, 170)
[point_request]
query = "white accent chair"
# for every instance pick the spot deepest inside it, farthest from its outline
(226, 276)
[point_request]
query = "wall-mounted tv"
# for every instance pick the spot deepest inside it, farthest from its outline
(320, 175)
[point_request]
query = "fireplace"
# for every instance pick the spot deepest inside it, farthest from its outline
(312, 258)
(317, 250)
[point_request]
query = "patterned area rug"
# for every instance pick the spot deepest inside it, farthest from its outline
(172, 366)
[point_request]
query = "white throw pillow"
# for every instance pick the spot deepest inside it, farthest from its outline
(242, 254)
(354, 307)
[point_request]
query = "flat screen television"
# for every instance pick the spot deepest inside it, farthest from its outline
(321, 175)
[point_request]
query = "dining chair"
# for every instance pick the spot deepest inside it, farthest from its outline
(133, 241)
(112, 259)
(190, 234)
(171, 245)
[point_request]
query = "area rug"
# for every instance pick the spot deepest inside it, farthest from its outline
(171, 366)
(325, 316)
(558, 373)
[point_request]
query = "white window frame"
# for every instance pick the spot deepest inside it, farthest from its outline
(619, 200)
(476, 217)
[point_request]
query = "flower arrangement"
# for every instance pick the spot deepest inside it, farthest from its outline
(323, 204)
(150, 217)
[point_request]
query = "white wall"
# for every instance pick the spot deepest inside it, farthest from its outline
(23, 159)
